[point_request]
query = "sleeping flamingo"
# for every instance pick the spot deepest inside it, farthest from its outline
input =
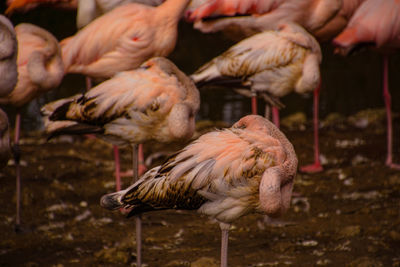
(40, 69)
(9, 74)
(271, 62)
(8, 56)
(129, 35)
(153, 102)
(375, 24)
(224, 174)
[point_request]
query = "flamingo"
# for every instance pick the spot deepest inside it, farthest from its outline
(40, 69)
(271, 62)
(129, 35)
(153, 102)
(323, 19)
(25, 5)
(377, 24)
(88, 10)
(260, 15)
(9, 74)
(8, 56)
(224, 174)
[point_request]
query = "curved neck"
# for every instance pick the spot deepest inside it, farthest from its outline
(173, 8)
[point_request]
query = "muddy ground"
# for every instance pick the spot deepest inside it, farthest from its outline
(347, 215)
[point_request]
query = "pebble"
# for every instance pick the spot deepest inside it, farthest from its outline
(350, 231)
(205, 262)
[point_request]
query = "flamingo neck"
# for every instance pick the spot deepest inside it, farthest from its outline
(173, 8)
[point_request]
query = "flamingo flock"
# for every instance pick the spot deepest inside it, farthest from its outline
(140, 95)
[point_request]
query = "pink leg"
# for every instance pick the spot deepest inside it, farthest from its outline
(254, 104)
(387, 98)
(17, 171)
(316, 167)
(117, 168)
(224, 243)
(275, 116)
(88, 81)
(141, 166)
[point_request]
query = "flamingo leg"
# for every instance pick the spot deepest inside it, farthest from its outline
(117, 168)
(316, 166)
(17, 155)
(224, 243)
(88, 81)
(254, 103)
(275, 116)
(138, 219)
(387, 98)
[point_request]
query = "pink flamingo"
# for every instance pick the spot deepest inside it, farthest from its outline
(8, 56)
(153, 102)
(323, 19)
(129, 35)
(224, 174)
(40, 69)
(376, 24)
(261, 15)
(9, 75)
(272, 62)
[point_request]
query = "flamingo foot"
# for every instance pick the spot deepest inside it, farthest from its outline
(393, 166)
(312, 168)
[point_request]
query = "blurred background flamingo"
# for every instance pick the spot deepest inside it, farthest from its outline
(9, 74)
(375, 24)
(40, 69)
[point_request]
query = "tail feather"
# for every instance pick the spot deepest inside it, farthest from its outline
(112, 201)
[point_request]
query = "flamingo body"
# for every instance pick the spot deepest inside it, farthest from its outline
(374, 22)
(154, 102)
(224, 174)
(261, 15)
(40, 66)
(122, 39)
(8, 56)
(276, 62)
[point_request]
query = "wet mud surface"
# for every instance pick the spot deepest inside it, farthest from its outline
(347, 215)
